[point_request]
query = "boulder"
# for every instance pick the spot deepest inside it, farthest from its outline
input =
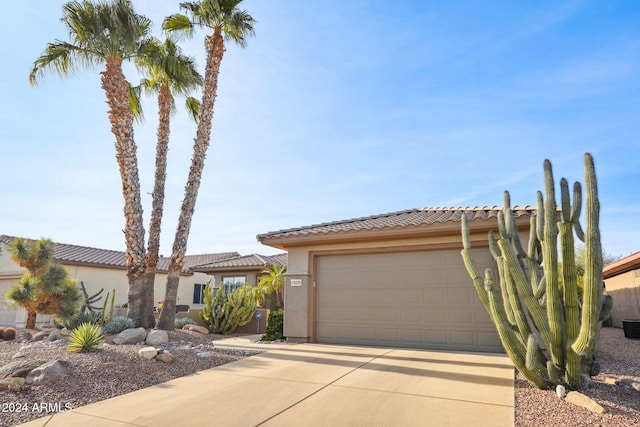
(166, 357)
(40, 336)
(148, 352)
(19, 368)
(157, 337)
(629, 384)
(196, 328)
(130, 336)
(49, 372)
(580, 399)
(561, 391)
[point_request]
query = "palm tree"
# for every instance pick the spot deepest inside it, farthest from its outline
(108, 33)
(227, 22)
(168, 72)
(273, 281)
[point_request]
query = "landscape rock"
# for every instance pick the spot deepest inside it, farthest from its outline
(157, 337)
(609, 380)
(629, 384)
(561, 391)
(18, 355)
(49, 372)
(166, 357)
(204, 354)
(19, 368)
(196, 328)
(586, 402)
(40, 336)
(148, 352)
(130, 336)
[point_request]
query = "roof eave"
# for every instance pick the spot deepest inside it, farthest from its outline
(388, 233)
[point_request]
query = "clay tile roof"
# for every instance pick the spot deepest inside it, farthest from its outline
(245, 262)
(84, 255)
(406, 218)
(628, 263)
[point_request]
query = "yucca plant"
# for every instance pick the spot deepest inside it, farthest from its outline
(86, 337)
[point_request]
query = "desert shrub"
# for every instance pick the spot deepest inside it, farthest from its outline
(79, 319)
(181, 321)
(224, 313)
(117, 325)
(9, 334)
(275, 326)
(86, 337)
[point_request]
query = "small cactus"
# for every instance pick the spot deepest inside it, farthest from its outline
(9, 334)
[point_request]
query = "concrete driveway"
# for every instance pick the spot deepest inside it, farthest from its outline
(320, 385)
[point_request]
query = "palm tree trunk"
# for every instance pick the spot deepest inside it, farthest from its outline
(117, 91)
(215, 52)
(153, 245)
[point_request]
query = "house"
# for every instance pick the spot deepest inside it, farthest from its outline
(232, 273)
(235, 272)
(395, 279)
(622, 282)
(104, 269)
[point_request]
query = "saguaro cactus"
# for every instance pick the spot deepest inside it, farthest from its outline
(548, 325)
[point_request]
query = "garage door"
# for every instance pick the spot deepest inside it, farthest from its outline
(407, 299)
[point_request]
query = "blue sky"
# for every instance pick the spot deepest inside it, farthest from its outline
(339, 109)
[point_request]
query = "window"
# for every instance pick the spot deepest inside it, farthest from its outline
(232, 283)
(198, 293)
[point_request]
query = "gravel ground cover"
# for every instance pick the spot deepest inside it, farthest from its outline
(619, 358)
(116, 370)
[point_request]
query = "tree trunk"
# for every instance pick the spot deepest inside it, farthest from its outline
(31, 320)
(167, 318)
(215, 52)
(117, 91)
(153, 245)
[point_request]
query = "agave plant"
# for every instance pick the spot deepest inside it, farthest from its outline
(85, 338)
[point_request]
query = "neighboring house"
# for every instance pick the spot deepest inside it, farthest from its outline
(232, 273)
(101, 269)
(622, 282)
(394, 279)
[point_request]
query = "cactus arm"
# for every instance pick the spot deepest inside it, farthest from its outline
(538, 315)
(512, 344)
(592, 296)
(540, 217)
(550, 256)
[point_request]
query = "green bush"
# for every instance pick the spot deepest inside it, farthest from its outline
(224, 313)
(275, 326)
(79, 319)
(180, 322)
(86, 337)
(117, 325)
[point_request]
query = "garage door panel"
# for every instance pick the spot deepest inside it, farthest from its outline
(410, 299)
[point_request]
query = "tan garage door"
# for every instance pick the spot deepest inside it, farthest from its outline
(407, 299)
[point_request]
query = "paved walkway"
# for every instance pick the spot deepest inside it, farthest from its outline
(320, 385)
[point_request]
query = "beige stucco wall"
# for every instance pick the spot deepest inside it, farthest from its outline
(296, 321)
(94, 278)
(625, 291)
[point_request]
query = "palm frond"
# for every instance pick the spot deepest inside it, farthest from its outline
(193, 107)
(178, 24)
(135, 104)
